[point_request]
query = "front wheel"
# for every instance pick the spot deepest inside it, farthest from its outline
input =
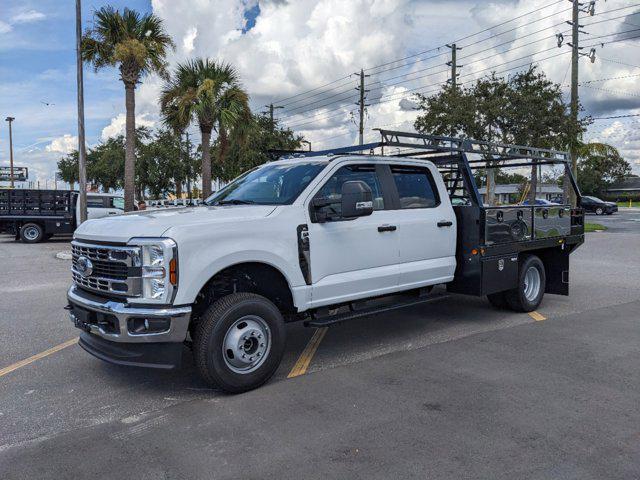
(531, 286)
(599, 211)
(239, 342)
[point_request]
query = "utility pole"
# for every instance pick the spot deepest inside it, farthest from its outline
(454, 65)
(271, 108)
(189, 167)
(361, 104)
(575, 51)
(82, 152)
(575, 57)
(10, 119)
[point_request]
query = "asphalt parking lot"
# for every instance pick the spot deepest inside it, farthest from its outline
(450, 389)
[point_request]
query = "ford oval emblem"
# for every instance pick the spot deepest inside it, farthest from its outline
(84, 266)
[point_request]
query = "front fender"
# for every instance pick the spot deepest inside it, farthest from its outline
(197, 271)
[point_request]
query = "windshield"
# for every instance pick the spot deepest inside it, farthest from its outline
(270, 184)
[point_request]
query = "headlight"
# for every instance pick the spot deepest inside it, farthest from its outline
(158, 261)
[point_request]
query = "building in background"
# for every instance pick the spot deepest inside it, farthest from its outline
(627, 189)
(511, 193)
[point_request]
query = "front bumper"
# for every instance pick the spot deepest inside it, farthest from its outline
(112, 330)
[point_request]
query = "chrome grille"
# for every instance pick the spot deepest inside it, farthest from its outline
(115, 269)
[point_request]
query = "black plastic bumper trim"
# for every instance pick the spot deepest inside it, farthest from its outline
(150, 355)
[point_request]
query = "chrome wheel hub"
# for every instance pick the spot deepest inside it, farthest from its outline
(31, 233)
(246, 344)
(532, 284)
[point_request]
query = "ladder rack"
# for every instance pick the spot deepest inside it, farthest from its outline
(491, 151)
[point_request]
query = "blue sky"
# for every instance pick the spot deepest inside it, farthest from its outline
(37, 59)
(284, 48)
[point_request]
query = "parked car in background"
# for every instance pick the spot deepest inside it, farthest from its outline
(36, 215)
(540, 201)
(597, 206)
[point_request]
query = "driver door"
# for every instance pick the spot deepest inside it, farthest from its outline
(354, 258)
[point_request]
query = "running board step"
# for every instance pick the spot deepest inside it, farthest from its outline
(328, 320)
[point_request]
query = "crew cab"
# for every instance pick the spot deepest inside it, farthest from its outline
(313, 239)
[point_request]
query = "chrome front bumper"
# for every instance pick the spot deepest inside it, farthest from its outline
(178, 316)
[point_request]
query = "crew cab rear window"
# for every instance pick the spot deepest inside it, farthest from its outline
(415, 186)
(332, 190)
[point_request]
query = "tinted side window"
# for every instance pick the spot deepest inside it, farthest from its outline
(332, 190)
(415, 186)
(95, 202)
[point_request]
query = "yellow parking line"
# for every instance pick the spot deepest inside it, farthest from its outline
(37, 356)
(307, 354)
(537, 317)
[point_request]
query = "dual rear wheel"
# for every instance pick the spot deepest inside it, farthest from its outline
(527, 296)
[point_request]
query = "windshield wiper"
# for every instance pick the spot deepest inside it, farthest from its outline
(235, 201)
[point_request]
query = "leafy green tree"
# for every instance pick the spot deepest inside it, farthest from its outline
(599, 166)
(137, 45)
(208, 92)
(68, 168)
(254, 149)
(526, 109)
(106, 164)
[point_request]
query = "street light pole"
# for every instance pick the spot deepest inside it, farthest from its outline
(10, 119)
(82, 152)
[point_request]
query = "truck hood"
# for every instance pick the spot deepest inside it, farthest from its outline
(154, 223)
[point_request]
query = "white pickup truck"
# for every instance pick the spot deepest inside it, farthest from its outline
(309, 239)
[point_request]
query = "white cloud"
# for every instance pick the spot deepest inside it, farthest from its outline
(299, 45)
(625, 136)
(65, 144)
(189, 38)
(5, 27)
(117, 125)
(28, 16)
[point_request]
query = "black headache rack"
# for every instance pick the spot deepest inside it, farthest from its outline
(490, 239)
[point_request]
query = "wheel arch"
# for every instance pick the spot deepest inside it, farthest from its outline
(257, 277)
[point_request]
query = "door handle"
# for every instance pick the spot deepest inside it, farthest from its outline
(445, 223)
(387, 228)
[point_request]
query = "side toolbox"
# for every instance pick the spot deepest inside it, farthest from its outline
(499, 273)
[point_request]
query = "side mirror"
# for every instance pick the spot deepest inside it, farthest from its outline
(357, 199)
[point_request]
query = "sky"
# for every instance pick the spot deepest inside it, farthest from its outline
(304, 55)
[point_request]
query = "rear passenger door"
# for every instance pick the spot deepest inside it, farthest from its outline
(426, 226)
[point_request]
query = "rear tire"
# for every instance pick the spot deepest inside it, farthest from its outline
(599, 211)
(498, 300)
(527, 296)
(31, 233)
(239, 342)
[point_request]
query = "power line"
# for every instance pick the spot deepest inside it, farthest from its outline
(349, 98)
(431, 50)
(616, 116)
(444, 52)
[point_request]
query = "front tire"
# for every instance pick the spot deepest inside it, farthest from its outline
(239, 342)
(31, 233)
(599, 211)
(527, 296)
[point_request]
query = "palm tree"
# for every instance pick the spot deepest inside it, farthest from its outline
(208, 92)
(137, 45)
